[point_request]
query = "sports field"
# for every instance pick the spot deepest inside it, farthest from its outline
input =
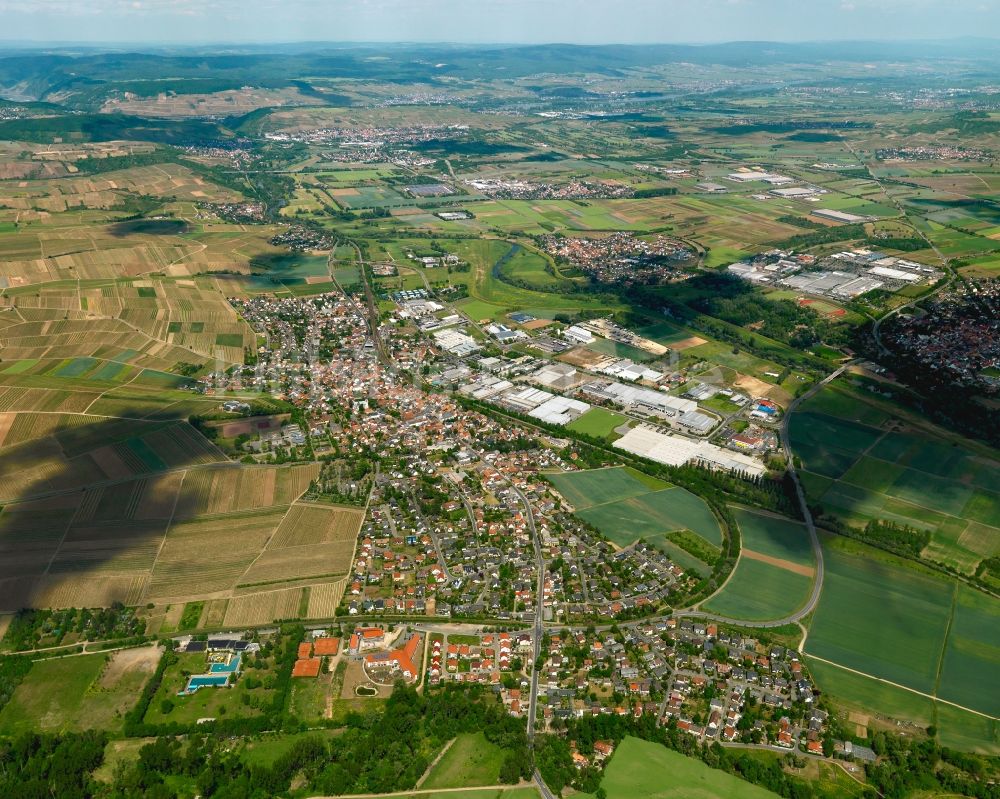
(886, 618)
(862, 461)
(644, 770)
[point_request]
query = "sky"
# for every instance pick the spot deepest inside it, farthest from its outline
(577, 21)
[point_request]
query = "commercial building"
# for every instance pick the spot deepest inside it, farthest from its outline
(675, 450)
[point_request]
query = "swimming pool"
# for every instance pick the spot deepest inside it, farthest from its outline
(226, 668)
(204, 681)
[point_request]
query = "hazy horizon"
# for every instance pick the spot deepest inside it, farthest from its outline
(263, 22)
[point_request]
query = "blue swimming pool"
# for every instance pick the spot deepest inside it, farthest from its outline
(205, 681)
(222, 668)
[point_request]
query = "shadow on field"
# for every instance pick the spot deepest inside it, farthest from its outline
(149, 227)
(84, 507)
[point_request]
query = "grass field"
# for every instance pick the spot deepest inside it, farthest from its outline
(863, 459)
(94, 692)
(597, 422)
(643, 770)
(470, 761)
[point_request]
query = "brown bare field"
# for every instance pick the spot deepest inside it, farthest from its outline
(324, 599)
(6, 421)
(758, 388)
(687, 343)
(308, 523)
(797, 568)
(582, 357)
(263, 608)
(141, 661)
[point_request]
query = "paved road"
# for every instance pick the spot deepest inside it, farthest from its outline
(810, 605)
(538, 633)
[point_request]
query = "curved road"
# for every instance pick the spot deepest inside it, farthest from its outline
(810, 604)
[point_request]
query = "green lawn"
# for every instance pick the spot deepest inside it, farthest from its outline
(643, 770)
(597, 422)
(470, 761)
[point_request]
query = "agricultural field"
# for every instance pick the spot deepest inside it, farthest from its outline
(775, 572)
(626, 505)
(95, 692)
(137, 533)
(864, 459)
(891, 620)
(158, 324)
(644, 770)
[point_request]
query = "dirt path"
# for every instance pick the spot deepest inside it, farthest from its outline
(434, 791)
(434, 762)
(904, 687)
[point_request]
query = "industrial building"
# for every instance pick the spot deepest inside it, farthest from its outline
(674, 450)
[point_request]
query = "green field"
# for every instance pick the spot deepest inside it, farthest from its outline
(775, 536)
(760, 592)
(651, 514)
(597, 486)
(891, 620)
(597, 422)
(73, 693)
(858, 471)
(881, 619)
(643, 770)
(956, 728)
(470, 761)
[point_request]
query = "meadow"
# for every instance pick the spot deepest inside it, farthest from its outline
(644, 770)
(471, 760)
(95, 692)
